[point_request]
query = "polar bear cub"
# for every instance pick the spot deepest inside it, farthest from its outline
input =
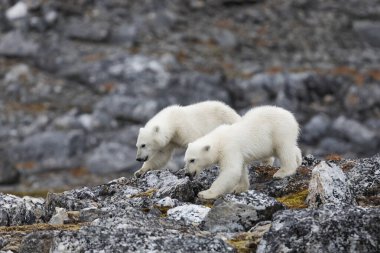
(263, 132)
(175, 127)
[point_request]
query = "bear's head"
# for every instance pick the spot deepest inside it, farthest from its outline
(150, 141)
(198, 156)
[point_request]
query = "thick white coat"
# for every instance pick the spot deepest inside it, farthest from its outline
(175, 127)
(262, 133)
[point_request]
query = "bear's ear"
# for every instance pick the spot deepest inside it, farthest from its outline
(206, 148)
(156, 129)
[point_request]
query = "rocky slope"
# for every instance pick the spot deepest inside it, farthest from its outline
(161, 213)
(78, 78)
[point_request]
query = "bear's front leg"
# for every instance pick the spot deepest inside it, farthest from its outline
(158, 161)
(147, 166)
(243, 184)
(228, 179)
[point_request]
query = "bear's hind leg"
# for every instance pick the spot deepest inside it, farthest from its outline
(288, 160)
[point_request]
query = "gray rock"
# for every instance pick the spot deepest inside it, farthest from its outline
(331, 145)
(190, 214)
(124, 33)
(8, 174)
(329, 185)
(316, 128)
(168, 184)
(14, 44)
(329, 229)
(17, 11)
(111, 157)
(74, 200)
(15, 211)
(362, 99)
(354, 131)
(200, 86)
(128, 108)
(19, 74)
(234, 213)
(38, 242)
(50, 149)
(225, 38)
(141, 76)
(364, 178)
(88, 30)
(133, 231)
(368, 31)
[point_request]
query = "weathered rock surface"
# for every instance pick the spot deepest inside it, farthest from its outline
(364, 178)
(132, 230)
(16, 211)
(329, 185)
(190, 214)
(328, 229)
(234, 213)
(160, 212)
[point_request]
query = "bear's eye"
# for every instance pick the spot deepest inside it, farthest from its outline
(192, 160)
(143, 145)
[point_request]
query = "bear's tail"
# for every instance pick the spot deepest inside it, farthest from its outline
(298, 156)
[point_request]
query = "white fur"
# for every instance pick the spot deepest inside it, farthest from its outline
(263, 132)
(175, 127)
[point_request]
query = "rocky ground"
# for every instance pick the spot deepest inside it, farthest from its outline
(328, 206)
(78, 78)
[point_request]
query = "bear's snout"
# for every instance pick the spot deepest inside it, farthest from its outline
(139, 159)
(190, 175)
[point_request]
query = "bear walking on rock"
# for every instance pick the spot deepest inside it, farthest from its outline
(175, 127)
(263, 132)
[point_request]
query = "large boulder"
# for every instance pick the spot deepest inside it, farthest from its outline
(50, 150)
(329, 184)
(233, 213)
(329, 229)
(15, 211)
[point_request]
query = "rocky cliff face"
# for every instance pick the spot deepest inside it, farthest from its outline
(78, 78)
(161, 213)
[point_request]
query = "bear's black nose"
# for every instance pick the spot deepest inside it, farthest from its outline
(190, 175)
(142, 159)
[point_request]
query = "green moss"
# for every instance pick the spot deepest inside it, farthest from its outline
(295, 200)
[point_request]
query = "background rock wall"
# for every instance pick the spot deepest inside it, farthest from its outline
(78, 78)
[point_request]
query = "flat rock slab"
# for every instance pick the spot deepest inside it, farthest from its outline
(235, 213)
(329, 229)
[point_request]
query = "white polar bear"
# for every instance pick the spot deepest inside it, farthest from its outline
(175, 127)
(263, 132)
